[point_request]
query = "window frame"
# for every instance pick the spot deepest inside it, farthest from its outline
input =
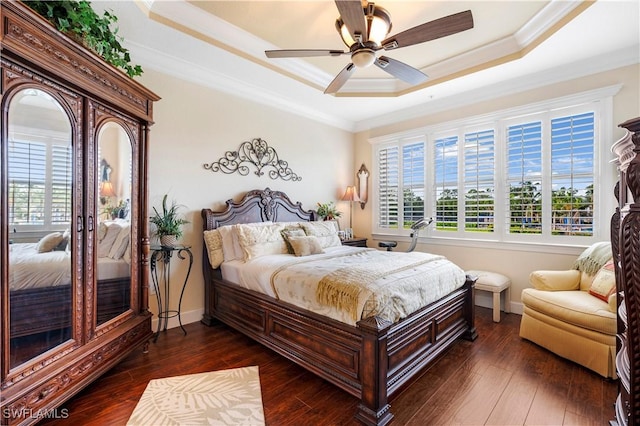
(599, 100)
(49, 139)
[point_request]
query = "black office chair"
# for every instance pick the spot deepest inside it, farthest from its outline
(415, 228)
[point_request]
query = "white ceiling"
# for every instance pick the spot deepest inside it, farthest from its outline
(514, 46)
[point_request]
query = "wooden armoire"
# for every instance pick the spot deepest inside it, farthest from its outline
(625, 242)
(73, 162)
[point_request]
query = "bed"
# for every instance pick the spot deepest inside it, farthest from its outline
(372, 360)
(40, 284)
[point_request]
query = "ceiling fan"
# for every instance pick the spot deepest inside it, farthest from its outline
(364, 27)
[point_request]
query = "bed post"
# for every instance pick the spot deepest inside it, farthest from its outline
(374, 407)
(209, 302)
(469, 309)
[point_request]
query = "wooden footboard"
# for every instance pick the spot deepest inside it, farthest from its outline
(371, 361)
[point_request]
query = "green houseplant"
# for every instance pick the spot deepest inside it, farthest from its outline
(328, 211)
(168, 222)
(78, 20)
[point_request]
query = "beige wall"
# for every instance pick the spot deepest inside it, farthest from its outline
(196, 125)
(512, 261)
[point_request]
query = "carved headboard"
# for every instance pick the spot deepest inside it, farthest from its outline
(256, 206)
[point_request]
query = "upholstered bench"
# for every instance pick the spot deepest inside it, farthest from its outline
(496, 284)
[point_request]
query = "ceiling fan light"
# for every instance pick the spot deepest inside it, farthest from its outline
(363, 58)
(344, 33)
(379, 25)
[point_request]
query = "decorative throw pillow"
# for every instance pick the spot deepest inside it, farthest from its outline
(326, 232)
(291, 231)
(604, 283)
(49, 242)
(213, 241)
(305, 246)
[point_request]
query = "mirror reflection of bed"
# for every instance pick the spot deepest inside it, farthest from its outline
(114, 231)
(41, 249)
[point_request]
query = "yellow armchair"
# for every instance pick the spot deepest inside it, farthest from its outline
(564, 314)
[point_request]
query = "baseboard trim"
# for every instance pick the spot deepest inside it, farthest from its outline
(186, 317)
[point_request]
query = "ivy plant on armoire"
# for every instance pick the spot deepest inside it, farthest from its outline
(74, 276)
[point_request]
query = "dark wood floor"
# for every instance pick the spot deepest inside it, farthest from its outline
(499, 379)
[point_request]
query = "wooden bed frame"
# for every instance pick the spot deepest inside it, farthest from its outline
(373, 360)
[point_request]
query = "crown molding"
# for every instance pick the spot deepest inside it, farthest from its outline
(164, 63)
(618, 59)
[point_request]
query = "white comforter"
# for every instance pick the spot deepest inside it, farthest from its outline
(294, 280)
(30, 269)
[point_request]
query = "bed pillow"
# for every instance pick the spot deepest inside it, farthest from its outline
(604, 283)
(213, 241)
(257, 241)
(121, 242)
(49, 242)
(292, 231)
(326, 232)
(65, 241)
(102, 231)
(104, 246)
(229, 243)
(305, 246)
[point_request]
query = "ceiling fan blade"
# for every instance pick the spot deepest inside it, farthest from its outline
(302, 53)
(432, 30)
(340, 79)
(352, 15)
(401, 70)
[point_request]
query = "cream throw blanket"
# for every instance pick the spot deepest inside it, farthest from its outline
(593, 258)
(368, 282)
(341, 288)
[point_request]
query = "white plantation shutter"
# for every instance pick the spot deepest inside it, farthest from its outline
(446, 182)
(524, 178)
(388, 163)
(61, 168)
(27, 178)
(479, 169)
(413, 163)
(39, 184)
(572, 157)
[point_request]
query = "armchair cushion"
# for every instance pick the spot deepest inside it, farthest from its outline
(555, 280)
(578, 308)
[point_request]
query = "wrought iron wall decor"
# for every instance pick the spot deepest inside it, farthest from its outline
(258, 153)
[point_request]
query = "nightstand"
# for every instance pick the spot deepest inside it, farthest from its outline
(355, 242)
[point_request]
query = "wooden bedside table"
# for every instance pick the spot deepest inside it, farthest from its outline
(355, 242)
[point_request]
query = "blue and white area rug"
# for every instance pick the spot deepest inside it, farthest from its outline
(226, 397)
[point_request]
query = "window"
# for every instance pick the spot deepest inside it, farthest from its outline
(528, 174)
(39, 184)
(478, 187)
(401, 185)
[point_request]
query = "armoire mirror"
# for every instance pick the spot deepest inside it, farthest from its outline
(113, 268)
(39, 165)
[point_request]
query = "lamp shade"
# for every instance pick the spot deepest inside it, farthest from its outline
(351, 194)
(106, 189)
